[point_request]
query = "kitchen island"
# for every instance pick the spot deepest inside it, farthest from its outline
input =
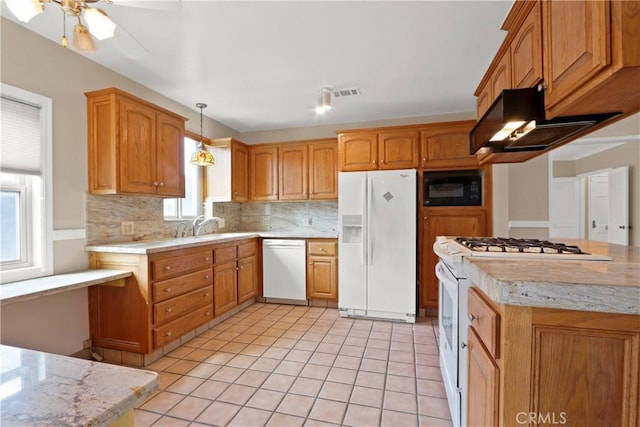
(553, 341)
(47, 389)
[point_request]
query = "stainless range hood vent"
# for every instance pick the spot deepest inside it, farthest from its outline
(516, 122)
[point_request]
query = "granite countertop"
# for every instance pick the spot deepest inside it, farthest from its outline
(604, 286)
(47, 389)
(162, 245)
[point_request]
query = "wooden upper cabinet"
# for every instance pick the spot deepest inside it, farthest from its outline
(398, 149)
(358, 151)
(264, 172)
(228, 179)
(323, 170)
(501, 77)
(134, 147)
(239, 172)
(446, 145)
(483, 100)
(585, 42)
(293, 172)
(170, 155)
(526, 51)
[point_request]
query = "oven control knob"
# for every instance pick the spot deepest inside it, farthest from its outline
(463, 344)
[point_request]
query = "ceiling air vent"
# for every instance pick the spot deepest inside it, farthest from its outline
(338, 93)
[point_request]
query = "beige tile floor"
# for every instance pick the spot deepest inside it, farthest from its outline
(283, 365)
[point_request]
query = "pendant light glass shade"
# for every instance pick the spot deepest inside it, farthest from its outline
(324, 101)
(201, 156)
(99, 23)
(24, 10)
(82, 40)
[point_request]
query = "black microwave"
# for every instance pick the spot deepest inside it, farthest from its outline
(452, 188)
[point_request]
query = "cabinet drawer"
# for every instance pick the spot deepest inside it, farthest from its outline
(485, 321)
(176, 307)
(225, 253)
(319, 247)
(176, 328)
(173, 266)
(173, 287)
(246, 249)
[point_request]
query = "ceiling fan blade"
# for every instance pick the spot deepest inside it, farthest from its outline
(161, 5)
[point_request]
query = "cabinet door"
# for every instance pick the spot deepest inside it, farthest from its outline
(322, 277)
(358, 151)
(483, 385)
(576, 37)
(239, 173)
(170, 155)
(526, 51)
(447, 146)
(443, 222)
(264, 173)
(398, 149)
(323, 171)
(247, 274)
(501, 77)
(137, 172)
(293, 172)
(225, 292)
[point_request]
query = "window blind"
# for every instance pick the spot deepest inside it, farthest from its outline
(20, 138)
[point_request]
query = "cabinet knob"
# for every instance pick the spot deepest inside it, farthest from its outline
(237, 268)
(168, 267)
(167, 290)
(235, 193)
(373, 161)
(206, 258)
(206, 294)
(241, 267)
(322, 250)
(206, 277)
(473, 318)
(208, 313)
(424, 159)
(168, 334)
(155, 183)
(161, 184)
(169, 310)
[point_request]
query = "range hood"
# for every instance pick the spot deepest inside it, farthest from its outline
(516, 122)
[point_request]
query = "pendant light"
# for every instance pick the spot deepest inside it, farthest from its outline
(201, 156)
(324, 101)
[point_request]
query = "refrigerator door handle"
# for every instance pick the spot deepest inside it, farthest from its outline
(365, 220)
(369, 218)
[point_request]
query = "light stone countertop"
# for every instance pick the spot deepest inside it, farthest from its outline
(48, 389)
(603, 286)
(162, 245)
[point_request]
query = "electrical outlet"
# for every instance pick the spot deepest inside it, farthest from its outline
(307, 221)
(221, 223)
(86, 344)
(127, 228)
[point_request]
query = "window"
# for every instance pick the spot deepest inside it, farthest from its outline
(26, 249)
(191, 205)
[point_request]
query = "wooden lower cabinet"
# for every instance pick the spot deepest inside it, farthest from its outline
(322, 269)
(554, 367)
(443, 221)
(169, 294)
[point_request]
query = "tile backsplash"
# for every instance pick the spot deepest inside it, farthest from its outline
(105, 215)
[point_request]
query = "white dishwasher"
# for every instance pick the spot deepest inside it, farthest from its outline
(284, 272)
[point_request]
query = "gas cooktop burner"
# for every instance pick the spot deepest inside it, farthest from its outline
(502, 244)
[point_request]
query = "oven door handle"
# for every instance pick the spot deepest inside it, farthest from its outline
(444, 275)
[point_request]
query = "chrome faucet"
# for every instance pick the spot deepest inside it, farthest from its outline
(182, 233)
(200, 222)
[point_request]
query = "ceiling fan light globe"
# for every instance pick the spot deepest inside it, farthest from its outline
(82, 40)
(99, 23)
(24, 10)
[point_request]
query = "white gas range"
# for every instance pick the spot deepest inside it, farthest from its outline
(454, 285)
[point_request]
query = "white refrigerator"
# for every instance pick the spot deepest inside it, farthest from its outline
(377, 216)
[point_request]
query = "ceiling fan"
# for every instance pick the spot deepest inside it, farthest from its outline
(99, 24)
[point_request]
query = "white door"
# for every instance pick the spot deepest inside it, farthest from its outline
(565, 208)
(352, 225)
(392, 208)
(619, 205)
(598, 207)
